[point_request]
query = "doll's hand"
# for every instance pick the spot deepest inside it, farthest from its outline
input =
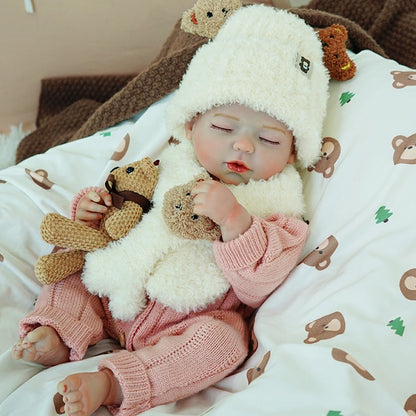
(92, 206)
(216, 201)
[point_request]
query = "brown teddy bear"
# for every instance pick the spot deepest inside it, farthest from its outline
(178, 214)
(336, 59)
(207, 16)
(131, 188)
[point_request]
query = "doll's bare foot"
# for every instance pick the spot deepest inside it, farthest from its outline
(83, 393)
(43, 346)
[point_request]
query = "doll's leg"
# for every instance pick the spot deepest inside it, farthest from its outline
(186, 359)
(65, 321)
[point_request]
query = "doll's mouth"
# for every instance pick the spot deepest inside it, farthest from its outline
(237, 166)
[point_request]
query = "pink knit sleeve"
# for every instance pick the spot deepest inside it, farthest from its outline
(258, 261)
(78, 196)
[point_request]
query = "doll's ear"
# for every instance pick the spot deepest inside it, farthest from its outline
(188, 128)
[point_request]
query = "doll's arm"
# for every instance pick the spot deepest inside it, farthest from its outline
(216, 201)
(260, 260)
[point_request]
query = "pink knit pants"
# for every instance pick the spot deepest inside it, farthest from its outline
(167, 356)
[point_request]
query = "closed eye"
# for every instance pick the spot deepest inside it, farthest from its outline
(216, 127)
(267, 141)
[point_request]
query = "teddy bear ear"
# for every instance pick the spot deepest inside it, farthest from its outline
(341, 29)
(200, 178)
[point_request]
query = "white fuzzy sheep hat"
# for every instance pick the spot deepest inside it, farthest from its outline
(267, 59)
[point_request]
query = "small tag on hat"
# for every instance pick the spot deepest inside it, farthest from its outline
(304, 65)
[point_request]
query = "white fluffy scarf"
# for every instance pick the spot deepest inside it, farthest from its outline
(153, 263)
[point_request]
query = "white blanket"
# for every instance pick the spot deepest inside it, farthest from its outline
(338, 338)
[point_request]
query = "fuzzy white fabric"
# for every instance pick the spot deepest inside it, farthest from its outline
(151, 262)
(254, 61)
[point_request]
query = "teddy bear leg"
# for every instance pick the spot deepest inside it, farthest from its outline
(54, 267)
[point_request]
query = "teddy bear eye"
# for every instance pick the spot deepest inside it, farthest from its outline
(130, 169)
(188, 194)
(209, 14)
(194, 217)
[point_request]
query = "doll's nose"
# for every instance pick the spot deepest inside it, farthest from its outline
(244, 144)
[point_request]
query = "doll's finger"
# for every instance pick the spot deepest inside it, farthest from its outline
(194, 190)
(198, 198)
(96, 207)
(106, 198)
(200, 187)
(84, 215)
(200, 205)
(88, 205)
(94, 196)
(92, 224)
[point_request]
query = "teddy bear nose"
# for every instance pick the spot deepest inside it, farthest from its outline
(178, 206)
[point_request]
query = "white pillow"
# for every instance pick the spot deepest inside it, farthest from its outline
(356, 282)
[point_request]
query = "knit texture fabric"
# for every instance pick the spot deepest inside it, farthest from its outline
(391, 22)
(385, 27)
(65, 104)
(160, 343)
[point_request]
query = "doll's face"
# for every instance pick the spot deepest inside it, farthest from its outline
(235, 143)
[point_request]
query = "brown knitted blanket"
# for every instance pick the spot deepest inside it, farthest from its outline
(74, 107)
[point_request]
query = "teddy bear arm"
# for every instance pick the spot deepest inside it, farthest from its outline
(64, 232)
(122, 221)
